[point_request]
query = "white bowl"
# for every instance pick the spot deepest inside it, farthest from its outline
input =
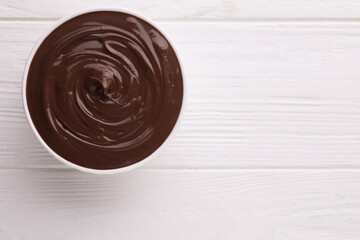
(63, 160)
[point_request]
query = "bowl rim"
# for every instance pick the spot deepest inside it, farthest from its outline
(30, 121)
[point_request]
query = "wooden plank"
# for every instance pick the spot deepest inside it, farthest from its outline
(180, 204)
(192, 10)
(260, 95)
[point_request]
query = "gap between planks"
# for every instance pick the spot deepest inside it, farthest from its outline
(204, 170)
(210, 20)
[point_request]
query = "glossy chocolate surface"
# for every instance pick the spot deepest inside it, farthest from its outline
(104, 90)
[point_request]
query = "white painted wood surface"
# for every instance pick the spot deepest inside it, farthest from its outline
(191, 10)
(269, 147)
(180, 204)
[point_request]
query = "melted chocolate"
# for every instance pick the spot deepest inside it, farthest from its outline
(104, 90)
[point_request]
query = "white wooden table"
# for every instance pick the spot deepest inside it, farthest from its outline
(269, 147)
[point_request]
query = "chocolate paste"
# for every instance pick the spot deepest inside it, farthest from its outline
(104, 90)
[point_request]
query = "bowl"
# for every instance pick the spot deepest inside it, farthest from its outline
(31, 122)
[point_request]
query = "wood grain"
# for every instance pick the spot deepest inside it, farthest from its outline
(180, 204)
(192, 10)
(268, 95)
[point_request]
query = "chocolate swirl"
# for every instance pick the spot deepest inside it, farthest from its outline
(104, 90)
